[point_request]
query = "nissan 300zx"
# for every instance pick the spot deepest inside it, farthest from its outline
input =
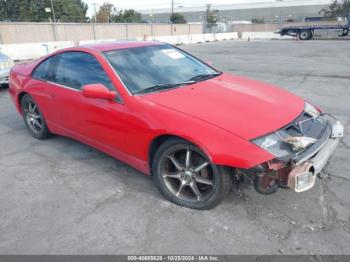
(195, 129)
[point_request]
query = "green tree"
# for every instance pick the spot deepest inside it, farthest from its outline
(70, 10)
(131, 16)
(3, 11)
(34, 10)
(127, 16)
(212, 16)
(337, 9)
(104, 13)
(177, 18)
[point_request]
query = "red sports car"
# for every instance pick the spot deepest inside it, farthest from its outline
(196, 130)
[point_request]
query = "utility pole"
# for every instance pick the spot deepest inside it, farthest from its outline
(93, 24)
(53, 12)
(280, 11)
(172, 13)
(94, 4)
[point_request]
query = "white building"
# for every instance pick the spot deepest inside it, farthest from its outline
(269, 11)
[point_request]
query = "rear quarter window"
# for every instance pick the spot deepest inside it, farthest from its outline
(42, 71)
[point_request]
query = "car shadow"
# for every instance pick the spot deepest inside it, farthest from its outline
(130, 177)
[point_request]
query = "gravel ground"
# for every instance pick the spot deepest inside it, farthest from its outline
(61, 197)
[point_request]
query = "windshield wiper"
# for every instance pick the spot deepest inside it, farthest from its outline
(202, 77)
(192, 80)
(163, 87)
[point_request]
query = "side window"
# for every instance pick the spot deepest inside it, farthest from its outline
(75, 69)
(41, 72)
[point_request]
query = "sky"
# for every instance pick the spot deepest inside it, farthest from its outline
(156, 4)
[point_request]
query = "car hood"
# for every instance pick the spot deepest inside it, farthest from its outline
(245, 107)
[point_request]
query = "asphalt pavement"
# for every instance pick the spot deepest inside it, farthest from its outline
(59, 196)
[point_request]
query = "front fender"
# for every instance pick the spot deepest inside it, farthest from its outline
(221, 146)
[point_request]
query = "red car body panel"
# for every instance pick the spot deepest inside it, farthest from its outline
(220, 115)
(231, 103)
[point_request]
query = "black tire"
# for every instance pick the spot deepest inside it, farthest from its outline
(33, 118)
(345, 32)
(207, 195)
(305, 35)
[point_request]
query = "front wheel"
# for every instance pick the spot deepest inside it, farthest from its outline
(185, 175)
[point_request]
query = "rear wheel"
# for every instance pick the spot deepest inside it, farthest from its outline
(33, 118)
(185, 175)
(305, 35)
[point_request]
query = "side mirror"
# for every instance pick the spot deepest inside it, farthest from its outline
(98, 91)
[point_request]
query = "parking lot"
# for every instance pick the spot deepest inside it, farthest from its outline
(59, 196)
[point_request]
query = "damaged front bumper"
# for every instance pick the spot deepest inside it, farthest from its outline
(298, 172)
(303, 176)
(307, 165)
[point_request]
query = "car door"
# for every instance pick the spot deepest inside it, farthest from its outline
(98, 122)
(40, 89)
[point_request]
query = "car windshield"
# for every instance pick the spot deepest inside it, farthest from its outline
(157, 67)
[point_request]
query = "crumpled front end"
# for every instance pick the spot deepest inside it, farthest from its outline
(309, 163)
(303, 149)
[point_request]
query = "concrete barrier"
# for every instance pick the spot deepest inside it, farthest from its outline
(209, 38)
(232, 35)
(173, 40)
(226, 36)
(36, 50)
(192, 39)
(183, 40)
(197, 38)
(87, 42)
(220, 36)
(53, 46)
(32, 50)
(263, 35)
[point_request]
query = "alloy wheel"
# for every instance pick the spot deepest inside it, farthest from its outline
(33, 117)
(188, 174)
